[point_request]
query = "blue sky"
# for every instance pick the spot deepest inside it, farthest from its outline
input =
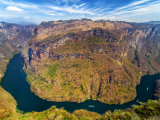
(46, 10)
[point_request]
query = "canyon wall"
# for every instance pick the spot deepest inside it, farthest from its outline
(13, 38)
(100, 60)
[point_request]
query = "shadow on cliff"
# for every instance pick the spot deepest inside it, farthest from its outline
(30, 52)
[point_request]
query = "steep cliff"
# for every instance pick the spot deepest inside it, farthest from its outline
(89, 58)
(13, 38)
(157, 90)
(100, 60)
(16, 34)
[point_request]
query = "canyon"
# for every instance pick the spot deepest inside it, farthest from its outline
(77, 60)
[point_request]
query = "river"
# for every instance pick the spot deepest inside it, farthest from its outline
(14, 82)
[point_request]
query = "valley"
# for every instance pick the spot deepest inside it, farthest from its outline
(79, 60)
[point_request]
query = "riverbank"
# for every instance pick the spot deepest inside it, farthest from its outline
(8, 104)
(15, 83)
(147, 111)
(4, 61)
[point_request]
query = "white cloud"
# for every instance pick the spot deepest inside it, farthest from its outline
(14, 8)
(72, 10)
(30, 6)
(132, 4)
(142, 7)
(66, 1)
(77, 6)
(51, 14)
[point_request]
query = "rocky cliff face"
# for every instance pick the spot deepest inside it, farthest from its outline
(13, 38)
(89, 58)
(146, 48)
(157, 89)
(100, 60)
(138, 38)
(46, 29)
(16, 34)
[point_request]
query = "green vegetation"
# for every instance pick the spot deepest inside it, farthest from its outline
(15, 52)
(77, 75)
(7, 104)
(157, 89)
(19, 111)
(121, 41)
(52, 70)
(147, 56)
(88, 45)
(152, 66)
(157, 59)
(124, 39)
(132, 71)
(94, 40)
(1, 46)
(146, 111)
(20, 47)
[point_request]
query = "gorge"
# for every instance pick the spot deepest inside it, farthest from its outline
(81, 64)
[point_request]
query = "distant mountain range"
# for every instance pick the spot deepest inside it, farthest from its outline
(25, 23)
(153, 22)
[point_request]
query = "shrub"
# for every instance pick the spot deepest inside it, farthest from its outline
(19, 111)
(52, 70)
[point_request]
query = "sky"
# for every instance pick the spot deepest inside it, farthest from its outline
(37, 11)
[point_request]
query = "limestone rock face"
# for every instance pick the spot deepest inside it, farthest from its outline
(16, 34)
